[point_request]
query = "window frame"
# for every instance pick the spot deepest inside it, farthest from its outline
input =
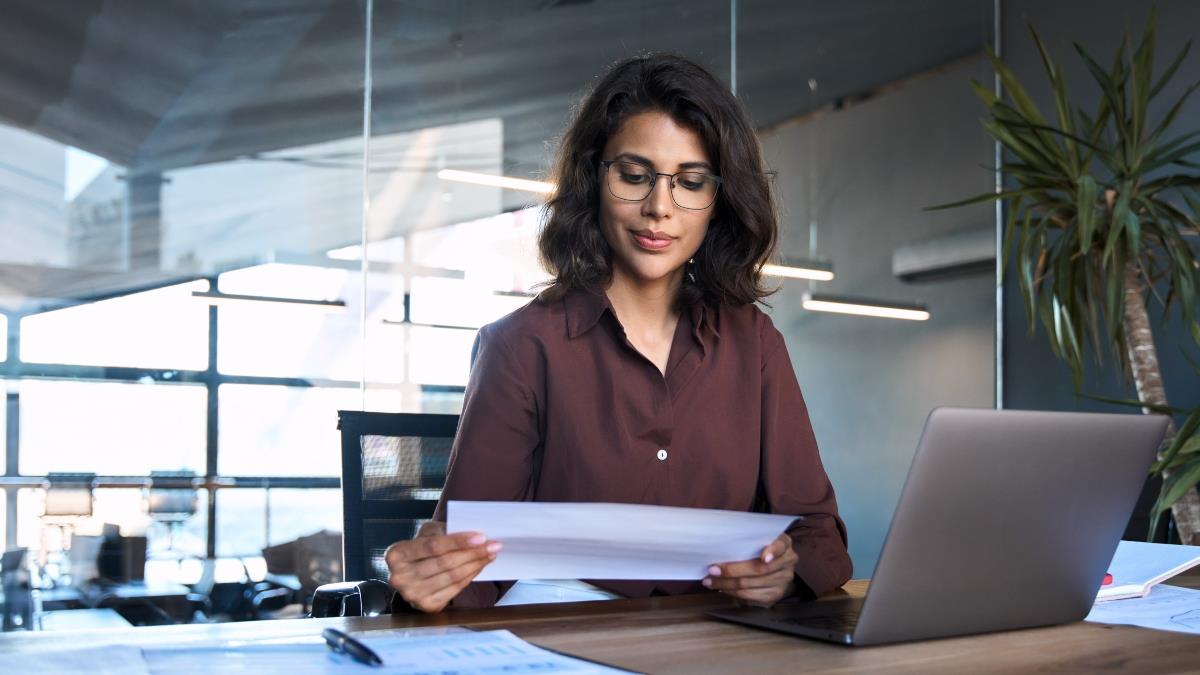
(12, 369)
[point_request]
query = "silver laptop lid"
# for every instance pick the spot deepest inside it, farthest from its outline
(1007, 519)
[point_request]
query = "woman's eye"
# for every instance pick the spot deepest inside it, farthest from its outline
(634, 178)
(692, 182)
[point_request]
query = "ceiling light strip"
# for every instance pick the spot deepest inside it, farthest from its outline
(798, 271)
(858, 307)
(496, 181)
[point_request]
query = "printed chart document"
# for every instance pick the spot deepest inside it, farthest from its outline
(457, 652)
(568, 540)
(1165, 608)
(1137, 566)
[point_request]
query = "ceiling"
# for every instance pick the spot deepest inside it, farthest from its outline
(177, 83)
(155, 86)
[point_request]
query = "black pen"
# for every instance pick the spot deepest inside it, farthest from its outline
(344, 644)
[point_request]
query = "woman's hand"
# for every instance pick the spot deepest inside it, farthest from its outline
(433, 568)
(763, 581)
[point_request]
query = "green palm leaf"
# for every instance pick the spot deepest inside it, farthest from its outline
(1084, 203)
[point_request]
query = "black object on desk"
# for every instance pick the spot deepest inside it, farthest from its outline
(344, 644)
(16, 602)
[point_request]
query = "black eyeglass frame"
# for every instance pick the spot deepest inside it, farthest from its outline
(607, 164)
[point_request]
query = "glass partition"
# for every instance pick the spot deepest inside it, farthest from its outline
(212, 247)
(175, 184)
(464, 93)
(866, 118)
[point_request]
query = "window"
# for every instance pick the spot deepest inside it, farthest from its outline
(440, 356)
(116, 428)
(249, 520)
(457, 302)
(278, 340)
(123, 507)
(498, 252)
(163, 328)
(287, 431)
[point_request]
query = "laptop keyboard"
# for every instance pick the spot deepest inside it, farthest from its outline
(835, 622)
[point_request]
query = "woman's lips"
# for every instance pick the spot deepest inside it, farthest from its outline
(650, 241)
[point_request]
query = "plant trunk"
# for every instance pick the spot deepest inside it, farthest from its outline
(1143, 365)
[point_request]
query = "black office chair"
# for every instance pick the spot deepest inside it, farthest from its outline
(393, 469)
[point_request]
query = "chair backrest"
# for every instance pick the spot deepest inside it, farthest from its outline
(393, 469)
(170, 504)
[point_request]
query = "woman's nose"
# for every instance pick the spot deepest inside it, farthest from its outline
(658, 203)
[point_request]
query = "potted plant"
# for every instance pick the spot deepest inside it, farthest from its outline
(1102, 213)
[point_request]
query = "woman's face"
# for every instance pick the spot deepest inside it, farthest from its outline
(652, 239)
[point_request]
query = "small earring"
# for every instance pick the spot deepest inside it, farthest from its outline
(691, 270)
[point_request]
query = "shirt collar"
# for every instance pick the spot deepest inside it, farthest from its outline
(584, 309)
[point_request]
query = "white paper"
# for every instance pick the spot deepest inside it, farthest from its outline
(1165, 608)
(1137, 564)
(112, 660)
(567, 540)
(458, 652)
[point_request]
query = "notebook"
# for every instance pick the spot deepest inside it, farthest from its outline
(1137, 566)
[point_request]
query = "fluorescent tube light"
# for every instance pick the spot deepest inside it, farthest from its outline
(795, 268)
(859, 307)
(496, 181)
(217, 298)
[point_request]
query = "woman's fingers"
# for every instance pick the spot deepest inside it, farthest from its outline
(429, 547)
(776, 579)
(758, 597)
(776, 549)
(756, 567)
(431, 567)
(766, 578)
(434, 593)
(432, 547)
(440, 599)
(430, 570)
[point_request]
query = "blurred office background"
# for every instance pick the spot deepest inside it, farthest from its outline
(188, 191)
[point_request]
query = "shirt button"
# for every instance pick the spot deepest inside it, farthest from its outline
(662, 454)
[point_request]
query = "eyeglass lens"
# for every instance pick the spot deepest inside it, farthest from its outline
(633, 182)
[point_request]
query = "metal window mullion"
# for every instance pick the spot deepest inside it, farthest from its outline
(212, 386)
(12, 430)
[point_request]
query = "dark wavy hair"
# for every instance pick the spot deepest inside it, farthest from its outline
(744, 228)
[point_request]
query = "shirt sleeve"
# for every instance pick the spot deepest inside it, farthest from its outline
(494, 453)
(794, 480)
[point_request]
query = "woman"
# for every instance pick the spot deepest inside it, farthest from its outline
(644, 373)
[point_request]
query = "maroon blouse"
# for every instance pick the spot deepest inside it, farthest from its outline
(560, 406)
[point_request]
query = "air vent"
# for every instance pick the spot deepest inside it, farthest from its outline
(962, 253)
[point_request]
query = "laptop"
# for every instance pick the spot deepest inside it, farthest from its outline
(1008, 519)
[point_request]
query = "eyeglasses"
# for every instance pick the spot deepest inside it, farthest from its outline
(633, 182)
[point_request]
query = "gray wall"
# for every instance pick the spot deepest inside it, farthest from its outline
(870, 383)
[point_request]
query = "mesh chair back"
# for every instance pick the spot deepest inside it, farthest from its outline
(393, 469)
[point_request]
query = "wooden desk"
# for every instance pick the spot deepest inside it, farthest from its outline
(672, 635)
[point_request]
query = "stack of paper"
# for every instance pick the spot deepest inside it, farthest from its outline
(568, 540)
